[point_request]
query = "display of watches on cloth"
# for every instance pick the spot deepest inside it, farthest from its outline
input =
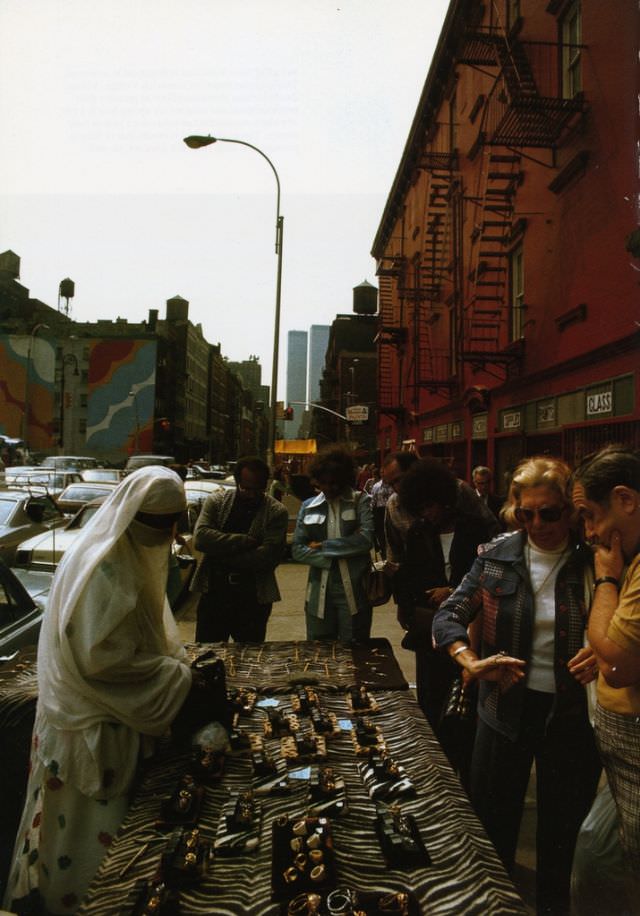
(304, 700)
(151, 898)
(361, 702)
(303, 747)
(183, 806)
(400, 838)
(367, 738)
(278, 724)
(326, 792)
(239, 826)
(242, 700)
(384, 778)
(185, 858)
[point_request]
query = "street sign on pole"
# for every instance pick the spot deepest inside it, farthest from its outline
(357, 413)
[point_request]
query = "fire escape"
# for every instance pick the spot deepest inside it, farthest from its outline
(433, 365)
(391, 337)
(525, 108)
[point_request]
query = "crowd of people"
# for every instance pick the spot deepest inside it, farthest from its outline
(533, 599)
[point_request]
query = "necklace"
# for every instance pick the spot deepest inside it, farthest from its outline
(536, 591)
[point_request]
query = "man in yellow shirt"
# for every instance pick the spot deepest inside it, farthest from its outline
(606, 493)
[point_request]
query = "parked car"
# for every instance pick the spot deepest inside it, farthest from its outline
(23, 595)
(196, 492)
(40, 479)
(143, 461)
(76, 495)
(69, 462)
(23, 515)
(102, 475)
(45, 551)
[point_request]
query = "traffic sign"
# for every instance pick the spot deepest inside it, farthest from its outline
(357, 413)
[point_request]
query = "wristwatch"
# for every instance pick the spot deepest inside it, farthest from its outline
(602, 579)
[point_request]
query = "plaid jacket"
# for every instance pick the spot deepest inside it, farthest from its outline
(498, 587)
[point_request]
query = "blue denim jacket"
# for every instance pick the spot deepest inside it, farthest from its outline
(354, 544)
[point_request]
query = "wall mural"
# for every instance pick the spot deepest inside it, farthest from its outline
(27, 389)
(121, 396)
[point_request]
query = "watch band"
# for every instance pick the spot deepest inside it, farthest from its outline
(602, 579)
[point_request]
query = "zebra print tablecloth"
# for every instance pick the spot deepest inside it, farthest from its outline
(464, 877)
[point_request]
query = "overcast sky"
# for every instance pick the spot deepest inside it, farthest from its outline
(96, 184)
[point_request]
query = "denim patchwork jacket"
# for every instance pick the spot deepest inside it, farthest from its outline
(353, 545)
(498, 588)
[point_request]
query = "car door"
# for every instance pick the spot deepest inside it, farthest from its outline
(20, 618)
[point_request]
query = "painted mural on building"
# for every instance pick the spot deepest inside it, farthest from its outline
(27, 393)
(121, 395)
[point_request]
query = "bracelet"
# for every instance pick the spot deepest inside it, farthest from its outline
(459, 650)
(602, 579)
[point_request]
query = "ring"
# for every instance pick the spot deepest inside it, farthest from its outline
(300, 861)
(300, 828)
(316, 856)
(318, 873)
(339, 901)
(314, 841)
(290, 875)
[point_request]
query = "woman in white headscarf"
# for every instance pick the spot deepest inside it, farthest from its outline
(112, 676)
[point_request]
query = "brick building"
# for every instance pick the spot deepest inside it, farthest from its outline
(508, 277)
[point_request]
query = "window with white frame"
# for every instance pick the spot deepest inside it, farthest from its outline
(571, 39)
(516, 280)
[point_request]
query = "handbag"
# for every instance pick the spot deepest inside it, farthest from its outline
(376, 585)
(460, 703)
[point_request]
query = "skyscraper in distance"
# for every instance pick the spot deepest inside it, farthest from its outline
(296, 379)
(318, 340)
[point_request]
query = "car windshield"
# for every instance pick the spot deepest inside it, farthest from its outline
(83, 517)
(7, 506)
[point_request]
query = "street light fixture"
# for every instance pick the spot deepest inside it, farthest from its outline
(197, 142)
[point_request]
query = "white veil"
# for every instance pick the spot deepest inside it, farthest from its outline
(110, 666)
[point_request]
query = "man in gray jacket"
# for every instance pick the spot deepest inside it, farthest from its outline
(242, 535)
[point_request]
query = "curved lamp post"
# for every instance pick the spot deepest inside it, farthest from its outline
(197, 142)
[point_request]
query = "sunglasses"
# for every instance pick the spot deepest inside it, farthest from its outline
(545, 514)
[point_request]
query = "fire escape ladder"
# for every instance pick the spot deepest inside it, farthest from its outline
(390, 336)
(526, 106)
(485, 314)
(433, 365)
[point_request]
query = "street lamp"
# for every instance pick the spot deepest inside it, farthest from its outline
(197, 142)
(37, 327)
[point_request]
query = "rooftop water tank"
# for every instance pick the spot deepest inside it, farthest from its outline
(365, 299)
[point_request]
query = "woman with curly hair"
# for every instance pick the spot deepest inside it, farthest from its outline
(527, 588)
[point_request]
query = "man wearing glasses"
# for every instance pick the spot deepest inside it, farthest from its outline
(241, 534)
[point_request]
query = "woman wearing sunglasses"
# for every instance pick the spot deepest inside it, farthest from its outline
(526, 590)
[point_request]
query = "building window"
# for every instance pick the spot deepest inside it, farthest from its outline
(571, 30)
(516, 280)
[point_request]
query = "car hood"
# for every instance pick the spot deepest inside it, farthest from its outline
(50, 540)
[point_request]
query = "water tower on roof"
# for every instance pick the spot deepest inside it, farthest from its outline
(365, 299)
(66, 291)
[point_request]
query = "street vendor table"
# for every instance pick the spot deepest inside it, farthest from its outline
(464, 874)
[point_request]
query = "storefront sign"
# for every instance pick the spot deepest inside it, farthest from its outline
(546, 413)
(599, 402)
(479, 426)
(511, 419)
